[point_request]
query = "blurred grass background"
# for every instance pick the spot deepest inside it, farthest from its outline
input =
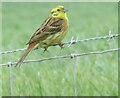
(61, 1)
(0, 49)
(96, 74)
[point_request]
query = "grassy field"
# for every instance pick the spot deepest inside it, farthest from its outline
(0, 49)
(96, 75)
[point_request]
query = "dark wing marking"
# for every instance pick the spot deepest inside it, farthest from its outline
(53, 26)
(38, 31)
(50, 26)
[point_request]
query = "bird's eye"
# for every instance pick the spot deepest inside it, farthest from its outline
(58, 10)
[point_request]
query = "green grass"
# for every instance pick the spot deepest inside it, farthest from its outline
(0, 49)
(96, 75)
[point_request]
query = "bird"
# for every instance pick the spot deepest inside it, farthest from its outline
(50, 33)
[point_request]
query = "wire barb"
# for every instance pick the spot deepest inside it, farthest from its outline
(71, 41)
(111, 35)
(72, 56)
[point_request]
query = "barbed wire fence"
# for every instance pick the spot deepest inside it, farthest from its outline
(110, 36)
(72, 56)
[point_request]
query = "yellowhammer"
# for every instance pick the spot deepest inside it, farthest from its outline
(51, 32)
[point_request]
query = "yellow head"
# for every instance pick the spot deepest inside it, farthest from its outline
(59, 11)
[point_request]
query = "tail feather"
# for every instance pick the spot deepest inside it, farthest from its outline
(30, 47)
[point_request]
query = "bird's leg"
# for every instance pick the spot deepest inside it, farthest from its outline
(61, 45)
(45, 49)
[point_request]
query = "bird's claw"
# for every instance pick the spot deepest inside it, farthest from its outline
(61, 45)
(45, 49)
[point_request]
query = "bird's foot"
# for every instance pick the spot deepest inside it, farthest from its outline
(45, 49)
(61, 45)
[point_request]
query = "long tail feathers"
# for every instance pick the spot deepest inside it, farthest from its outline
(30, 47)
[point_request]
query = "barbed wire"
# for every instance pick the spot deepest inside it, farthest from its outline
(12, 51)
(72, 41)
(65, 56)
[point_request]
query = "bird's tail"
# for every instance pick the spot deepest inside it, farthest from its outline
(29, 48)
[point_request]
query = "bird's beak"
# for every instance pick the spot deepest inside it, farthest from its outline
(65, 10)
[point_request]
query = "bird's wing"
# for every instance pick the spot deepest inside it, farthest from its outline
(50, 26)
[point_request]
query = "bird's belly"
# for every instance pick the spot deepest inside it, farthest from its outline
(54, 39)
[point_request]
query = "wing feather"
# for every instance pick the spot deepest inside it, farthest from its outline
(50, 26)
